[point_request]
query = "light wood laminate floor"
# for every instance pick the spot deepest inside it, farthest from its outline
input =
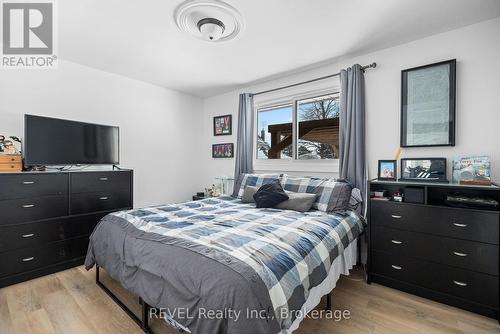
(70, 302)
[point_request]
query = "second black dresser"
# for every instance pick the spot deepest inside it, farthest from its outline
(444, 253)
(46, 218)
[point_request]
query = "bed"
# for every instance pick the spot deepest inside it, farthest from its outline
(222, 266)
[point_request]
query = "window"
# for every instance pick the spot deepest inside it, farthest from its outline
(303, 129)
(318, 124)
(274, 132)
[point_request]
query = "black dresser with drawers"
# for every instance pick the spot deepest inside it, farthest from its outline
(46, 218)
(446, 253)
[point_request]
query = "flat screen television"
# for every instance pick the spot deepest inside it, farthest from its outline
(51, 141)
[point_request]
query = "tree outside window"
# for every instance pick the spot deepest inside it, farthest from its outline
(317, 124)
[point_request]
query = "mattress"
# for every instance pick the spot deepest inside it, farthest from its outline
(222, 266)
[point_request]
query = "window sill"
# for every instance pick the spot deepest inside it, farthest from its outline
(305, 166)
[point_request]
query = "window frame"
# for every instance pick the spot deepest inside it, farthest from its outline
(293, 164)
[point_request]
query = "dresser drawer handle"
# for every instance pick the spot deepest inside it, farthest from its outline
(103, 179)
(460, 254)
(28, 259)
(397, 242)
(396, 217)
(28, 235)
(104, 198)
(396, 267)
(459, 225)
(27, 206)
(460, 283)
(28, 182)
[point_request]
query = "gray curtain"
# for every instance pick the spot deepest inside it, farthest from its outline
(352, 129)
(244, 143)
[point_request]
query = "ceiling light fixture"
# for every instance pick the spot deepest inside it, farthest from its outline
(209, 20)
(211, 29)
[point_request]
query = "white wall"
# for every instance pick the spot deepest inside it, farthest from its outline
(477, 50)
(158, 127)
(166, 136)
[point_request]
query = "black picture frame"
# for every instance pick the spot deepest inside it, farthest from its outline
(421, 175)
(394, 164)
(223, 151)
(223, 125)
(451, 105)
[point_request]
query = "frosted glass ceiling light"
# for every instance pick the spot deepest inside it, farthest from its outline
(211, 29)
(209, 20)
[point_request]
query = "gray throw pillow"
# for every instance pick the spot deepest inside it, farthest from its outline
(248, 193)
(341, 195)
(301, 202)
(355, 201)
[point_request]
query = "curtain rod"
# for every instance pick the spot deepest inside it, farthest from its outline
(363, 68)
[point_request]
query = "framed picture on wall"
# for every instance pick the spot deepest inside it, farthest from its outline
(223, 125)
(220, 151)
(428, 105)
(387, 170)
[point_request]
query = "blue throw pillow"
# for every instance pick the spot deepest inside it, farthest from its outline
(270, 195)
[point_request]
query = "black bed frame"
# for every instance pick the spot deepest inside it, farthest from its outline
(143, 322)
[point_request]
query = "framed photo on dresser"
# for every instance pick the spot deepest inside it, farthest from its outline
(424, 169)
(387, 170)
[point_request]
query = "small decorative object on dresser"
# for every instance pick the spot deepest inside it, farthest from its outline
(472, 170)
(17, 143)
(2, 140)
(11, 163)
(10, 146)
(424, 169)
(223, 125)
(435, 251)
(428, 105)
(223, 150)
(397, 197)
(387, 169)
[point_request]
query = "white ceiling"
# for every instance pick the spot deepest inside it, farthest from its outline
(139, 39)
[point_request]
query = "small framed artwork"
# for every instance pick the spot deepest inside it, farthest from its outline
(424, 169)
(223, 125)
(428, 96)
(223, 150)
(387, 169)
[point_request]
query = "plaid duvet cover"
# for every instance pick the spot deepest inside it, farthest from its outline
(291, 252)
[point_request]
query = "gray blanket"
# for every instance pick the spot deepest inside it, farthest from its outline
(189, 285)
